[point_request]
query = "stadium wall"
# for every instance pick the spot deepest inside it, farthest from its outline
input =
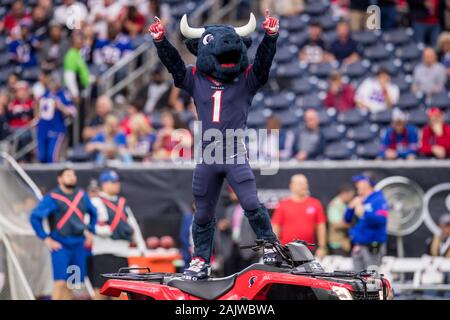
(160, 193)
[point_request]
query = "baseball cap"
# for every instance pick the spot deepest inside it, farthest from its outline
(444, 219)
(362, 177)
(434, 111)
(108, 176)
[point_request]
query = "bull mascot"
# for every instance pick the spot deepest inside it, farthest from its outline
(222, 84)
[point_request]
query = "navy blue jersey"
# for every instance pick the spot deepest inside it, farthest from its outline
(221, 105)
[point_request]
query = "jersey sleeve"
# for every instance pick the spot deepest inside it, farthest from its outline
(188, 82)
(252, 82)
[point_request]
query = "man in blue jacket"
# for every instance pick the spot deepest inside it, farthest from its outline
(65, 208)
(368, 211)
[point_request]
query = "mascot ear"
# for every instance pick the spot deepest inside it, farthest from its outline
(192, 45)
(247, 41)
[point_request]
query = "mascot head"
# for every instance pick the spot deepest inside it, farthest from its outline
(221, 50)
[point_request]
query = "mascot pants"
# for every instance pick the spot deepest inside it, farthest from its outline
(206, 186)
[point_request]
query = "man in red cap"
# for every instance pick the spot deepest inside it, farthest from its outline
(435, 136)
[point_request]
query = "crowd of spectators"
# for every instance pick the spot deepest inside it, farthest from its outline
(40, 44)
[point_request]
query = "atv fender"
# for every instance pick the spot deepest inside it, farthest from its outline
(144, 290)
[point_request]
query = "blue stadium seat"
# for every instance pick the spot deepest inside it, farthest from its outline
(281, 100)
(329, 36)
(368, 150)
(289, 70)
(311, 100)
(328, 22)
(440, 100)
(418, 117)
(326, 116)
(5, 72)
(408, 100)
(31, 74)
(285, 54)
(3, 46)
(333, 132)
(398, 36)
(298, 38)
(321, 70)
(301, 86)
(340, 150)
(392, 66)
(409, 52)
(381, 118)
(316, 8)
(362, 132)
(4, 59)
(288, 118)
(377, 52)
(294, 24)
(356, 69)
(409, 66)
(256, 119)
(403, 82)
(352, 117)
(366, 38)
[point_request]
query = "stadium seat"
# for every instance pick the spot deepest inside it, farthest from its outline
(340, 150)
(366, 38)
(352, 117)
(311, 100)
(3, 46)
(362, 132)
(408, 100)
(280, 100)
(301, 86)
(326, 116)
(398, 36)
(328, 22)
(403, 82)
(288, 118)
(316, 8)
(356, 69)
(440, 100)
(289, 70)
(321, 70)
(418, 117)
(381, 118)
(256, 119)
(4, 59)
(31, 74)
(409, 52)
(368, 150)
(333, 132)
(377, 52)
(285, 54)
(409, 66)
(294, 24)
(392, 66)
(298, 38)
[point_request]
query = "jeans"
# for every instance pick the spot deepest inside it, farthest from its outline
(388, 17)
(423, 30)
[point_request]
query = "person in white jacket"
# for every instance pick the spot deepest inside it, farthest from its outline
(115, 230)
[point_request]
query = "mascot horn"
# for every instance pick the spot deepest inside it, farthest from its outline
(222, 84)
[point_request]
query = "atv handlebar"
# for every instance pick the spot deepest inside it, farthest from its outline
(260, 243)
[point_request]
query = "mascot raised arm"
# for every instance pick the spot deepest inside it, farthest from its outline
(222, 84)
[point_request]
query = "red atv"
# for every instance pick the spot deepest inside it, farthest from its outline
(298, 277)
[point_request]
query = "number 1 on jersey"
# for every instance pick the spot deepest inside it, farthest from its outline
(217, 105)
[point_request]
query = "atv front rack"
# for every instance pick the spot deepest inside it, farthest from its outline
(139, 276)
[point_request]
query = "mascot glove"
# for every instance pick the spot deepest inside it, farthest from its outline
(271, 24)
(156, 29)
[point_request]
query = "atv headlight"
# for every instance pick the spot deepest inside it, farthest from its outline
(342, 293)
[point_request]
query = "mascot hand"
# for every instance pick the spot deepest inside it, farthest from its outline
(156, 29)
(271, 24)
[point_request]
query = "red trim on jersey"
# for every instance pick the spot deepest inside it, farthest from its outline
(194, 70)
(248, 70)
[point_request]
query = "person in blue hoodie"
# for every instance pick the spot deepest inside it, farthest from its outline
(65, 209)
(368, 213)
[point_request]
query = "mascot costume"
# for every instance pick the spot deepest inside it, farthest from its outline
(222, 84)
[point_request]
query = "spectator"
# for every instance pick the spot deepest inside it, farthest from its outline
(13, 78)
(68, 237)
(377, 94)
(21, 108)
(90, 40)
(440, 246)
(429, 76)
(158, 91)
(14, 17)
(76, 72)
(53, 107)
(443, 50)
(301, 217)
(103, 13)
(23, 47)
(141, 138)
(54, 48)
(338, 239)
(173, 140)
(103, 107)
(116, 229)
(132, 109)
(109, 51)
(4, 128)
(358, 14)
(400, 140)
(285, 8)
(340, 95)
(309, 143)
(367, 213)
(344, 49)
(110, 143)
(234, 231)
(71, 13)
(425, 20)
(435, 139)
(313, 50)
(388, 14)
(275, 146)
(40, 22)
(133, 21)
